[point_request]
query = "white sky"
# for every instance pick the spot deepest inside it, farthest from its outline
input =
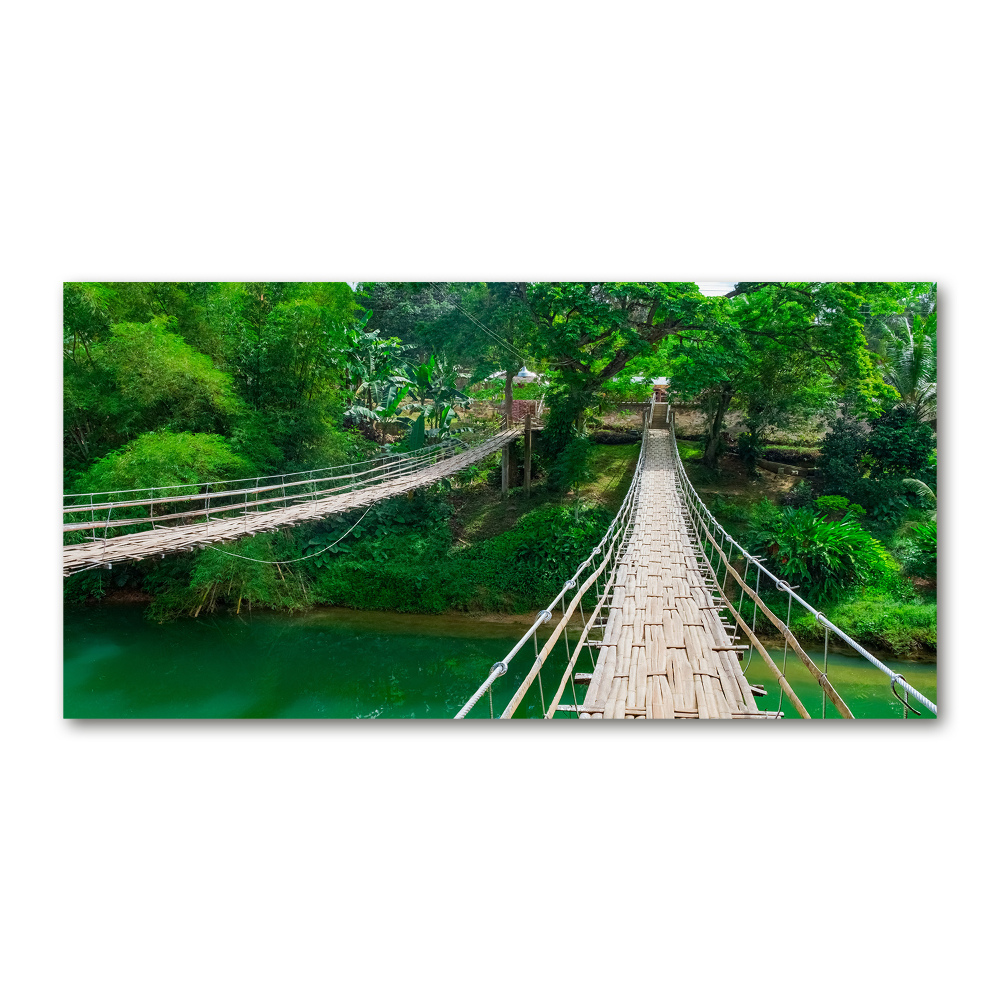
(716, 287)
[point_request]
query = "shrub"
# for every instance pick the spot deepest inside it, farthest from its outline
(820, 556)
(419, 571)
(616, 437)
(871, 619)
(571, 469)
(800, 495)
(237, 574)
(839, 506)
(159, 378)
(161, 458)
(918, 551)
(868, 468)
(750, 448)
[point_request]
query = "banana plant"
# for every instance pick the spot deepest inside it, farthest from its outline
(384, 400)
(435, 391)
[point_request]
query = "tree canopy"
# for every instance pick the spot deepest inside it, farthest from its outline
(298, 373)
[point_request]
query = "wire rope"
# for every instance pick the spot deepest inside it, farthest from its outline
(285, 562)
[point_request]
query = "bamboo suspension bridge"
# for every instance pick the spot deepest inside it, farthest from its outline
(659, 619)
(141, 524)
(667, 604)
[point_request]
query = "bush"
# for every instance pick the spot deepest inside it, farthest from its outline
(868, 468)
(571, 469)
(162, 458)
(522, 569)
(839, 506)
(821, 557)
(917, 550)
(616, 437)
(873, 620)
(800, 495)
(789, 455)
(419, 571)
(236, 574)
(750, 448)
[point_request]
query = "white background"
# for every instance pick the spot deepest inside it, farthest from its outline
(522, 140)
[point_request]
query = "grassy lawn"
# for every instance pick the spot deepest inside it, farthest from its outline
(480, 511)
(612, 466)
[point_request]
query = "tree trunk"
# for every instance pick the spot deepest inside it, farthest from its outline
(712, 445)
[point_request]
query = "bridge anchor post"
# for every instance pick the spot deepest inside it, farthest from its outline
(527, 454)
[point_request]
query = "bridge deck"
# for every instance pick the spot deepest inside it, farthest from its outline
(207, 531)
(665, 652)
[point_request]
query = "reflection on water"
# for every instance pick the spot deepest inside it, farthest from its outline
(335, 664)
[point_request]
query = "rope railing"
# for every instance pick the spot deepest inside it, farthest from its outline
(204, 524)
(712, 540)
(203, 504)
(237, 487)
(608, 550)
(713, 534)
(268, 492)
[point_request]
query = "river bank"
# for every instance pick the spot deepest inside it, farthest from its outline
(470, 554)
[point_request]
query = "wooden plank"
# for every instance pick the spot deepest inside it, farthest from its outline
(703, 699)
(654, 700)
(684, 696)
(721, 703)
(666, 697)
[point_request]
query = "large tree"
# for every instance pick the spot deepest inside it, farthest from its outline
(587, 332)
(780, 348)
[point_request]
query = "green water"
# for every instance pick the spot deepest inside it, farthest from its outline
(862, 686)
(339, 664)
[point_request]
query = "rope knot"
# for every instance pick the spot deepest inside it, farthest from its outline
(501, 666)
(545, 616)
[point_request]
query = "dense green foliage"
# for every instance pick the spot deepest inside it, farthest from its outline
(406, 560)
(820, 556)
(860, 574)
(868, 466)
(878, 619)
(191, 382)
(164, 456)
(401, 557)
(261, 364)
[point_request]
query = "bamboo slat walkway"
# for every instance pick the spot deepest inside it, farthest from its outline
(208, 530)
(665, 653)
(650, 598)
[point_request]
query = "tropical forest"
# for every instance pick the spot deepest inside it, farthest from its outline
(804, 415)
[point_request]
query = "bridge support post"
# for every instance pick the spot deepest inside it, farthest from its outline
(527, 454)
(505, 470)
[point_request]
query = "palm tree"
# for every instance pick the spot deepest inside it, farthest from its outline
(923, 491)
(905, 346)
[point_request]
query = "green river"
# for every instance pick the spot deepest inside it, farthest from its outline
(336, 664)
